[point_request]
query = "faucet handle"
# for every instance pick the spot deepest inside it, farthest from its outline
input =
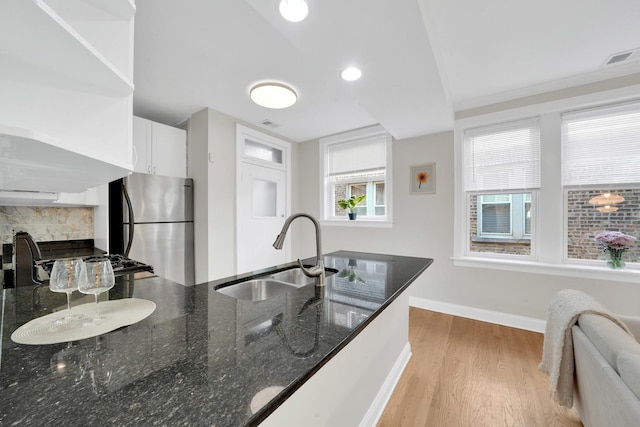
(314, 271)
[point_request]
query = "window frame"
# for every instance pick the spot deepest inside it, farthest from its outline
(465, 152)
(514, 238)
(327, 217)
(518, 213)
(480, 216)
(549, 232)
(526, 235)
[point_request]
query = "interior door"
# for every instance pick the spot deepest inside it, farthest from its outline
(262, 208)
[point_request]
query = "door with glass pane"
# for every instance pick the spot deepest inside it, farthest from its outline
(262, 201)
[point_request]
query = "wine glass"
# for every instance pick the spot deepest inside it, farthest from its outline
(64, 278)
(96, 277)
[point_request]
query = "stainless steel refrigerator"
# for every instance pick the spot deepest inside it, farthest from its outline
(151, 220)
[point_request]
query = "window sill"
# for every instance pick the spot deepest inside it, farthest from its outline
(372, 223)
(500, 240)
(628, 274)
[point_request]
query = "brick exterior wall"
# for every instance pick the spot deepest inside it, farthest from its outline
(584, 221)
(340, 193)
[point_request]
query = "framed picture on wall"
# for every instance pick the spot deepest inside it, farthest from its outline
(423, 179)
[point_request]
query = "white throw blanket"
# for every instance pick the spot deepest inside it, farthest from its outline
(557, 353)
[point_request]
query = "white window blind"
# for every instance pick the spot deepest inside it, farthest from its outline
(502, 157)
(366, 155)
(602, 146)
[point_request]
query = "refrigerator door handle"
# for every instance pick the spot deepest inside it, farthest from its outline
(125, 193)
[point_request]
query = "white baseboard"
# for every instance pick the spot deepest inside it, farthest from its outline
(505, 319)
(376, 409)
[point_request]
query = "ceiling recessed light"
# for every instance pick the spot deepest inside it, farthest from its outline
(351, 74)
(293, 10)
(273, 95)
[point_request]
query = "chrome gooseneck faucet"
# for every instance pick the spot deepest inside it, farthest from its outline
(318, 270)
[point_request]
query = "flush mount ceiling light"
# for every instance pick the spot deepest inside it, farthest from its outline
(293, 10)
(273, 95)
(351, 74)
(606, 199)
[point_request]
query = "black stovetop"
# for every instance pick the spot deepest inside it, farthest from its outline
(119, 263)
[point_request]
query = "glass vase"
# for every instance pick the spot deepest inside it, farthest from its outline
(615, 260)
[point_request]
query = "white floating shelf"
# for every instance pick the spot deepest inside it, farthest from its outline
(34, 162)
(55, 52)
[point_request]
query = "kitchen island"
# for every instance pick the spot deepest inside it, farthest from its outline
(204, 358)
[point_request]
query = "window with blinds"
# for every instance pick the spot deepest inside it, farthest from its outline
(354, 166)
(601, 146)
(539, 188)
(501, 173)
(601, 177)
(350, 160)
(503, 157)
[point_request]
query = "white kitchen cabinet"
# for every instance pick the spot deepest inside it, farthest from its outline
(141, 145)
(66, 85)
(159, 149)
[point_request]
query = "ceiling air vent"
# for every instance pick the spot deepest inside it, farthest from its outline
(267, 122)
(623, 57)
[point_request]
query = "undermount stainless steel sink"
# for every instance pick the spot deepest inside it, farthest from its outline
(295, 276)
(270, 286)
(257, 289)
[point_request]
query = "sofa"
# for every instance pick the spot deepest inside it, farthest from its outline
(607, 371)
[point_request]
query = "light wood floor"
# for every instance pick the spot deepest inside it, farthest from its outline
(469, 373)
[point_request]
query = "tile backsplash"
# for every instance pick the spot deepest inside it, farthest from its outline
(46, 223)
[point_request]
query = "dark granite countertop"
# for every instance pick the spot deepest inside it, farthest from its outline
(200, 358)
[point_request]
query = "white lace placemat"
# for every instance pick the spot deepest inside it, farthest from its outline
(119, 313)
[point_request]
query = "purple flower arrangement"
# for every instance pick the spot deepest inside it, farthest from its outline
(616, 243)
(615, 239)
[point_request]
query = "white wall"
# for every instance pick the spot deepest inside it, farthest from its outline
(424, 227)
(212, 155)
(212, 165)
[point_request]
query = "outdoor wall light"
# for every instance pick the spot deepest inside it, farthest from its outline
(606, 199)
(607, 208)
(293, 10)
(273, 95)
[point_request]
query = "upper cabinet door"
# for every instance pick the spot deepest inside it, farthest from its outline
(141, 145)
(159, 149)
(169, 150)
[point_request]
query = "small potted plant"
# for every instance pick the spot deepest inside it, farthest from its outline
(350, 204)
